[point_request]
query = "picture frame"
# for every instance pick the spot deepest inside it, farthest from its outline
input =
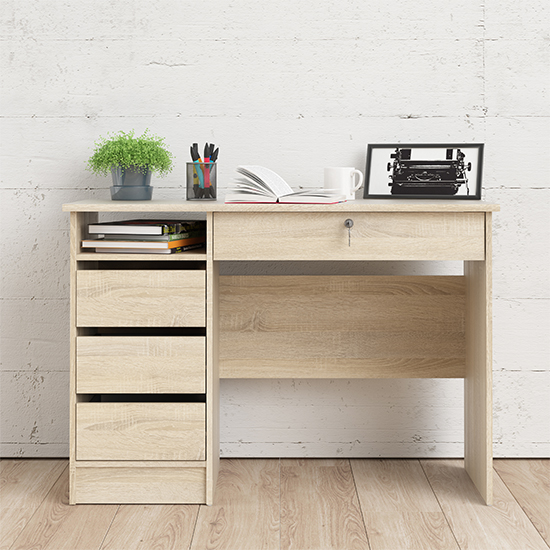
(424, 171)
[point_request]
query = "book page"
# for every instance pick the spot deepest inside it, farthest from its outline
(273, 181)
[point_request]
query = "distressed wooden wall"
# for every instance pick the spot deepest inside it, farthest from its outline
(295, 86)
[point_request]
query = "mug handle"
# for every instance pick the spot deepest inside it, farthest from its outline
(360, 174)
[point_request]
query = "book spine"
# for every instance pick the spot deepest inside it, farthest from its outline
(154, 238)
(146, 228)
(148, 250)
(187, 247)
(186, 242)
(182, 227)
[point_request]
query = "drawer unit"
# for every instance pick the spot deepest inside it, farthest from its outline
(136, 364)
(374, 236)
(140, 298)
(145, 483)
(140, 431)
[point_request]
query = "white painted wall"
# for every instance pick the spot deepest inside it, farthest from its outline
(296, 86)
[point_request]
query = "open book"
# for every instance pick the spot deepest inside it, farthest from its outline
(259, 184)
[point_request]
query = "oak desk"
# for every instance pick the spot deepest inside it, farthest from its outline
(151, 334)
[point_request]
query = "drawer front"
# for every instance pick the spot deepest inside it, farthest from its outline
(129, 364)
(140, 431)
(125, 298)
(135, 485)
(374, 236)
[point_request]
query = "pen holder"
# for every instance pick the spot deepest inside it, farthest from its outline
(202, 181)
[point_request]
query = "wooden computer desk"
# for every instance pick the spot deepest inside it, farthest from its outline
(151, 334)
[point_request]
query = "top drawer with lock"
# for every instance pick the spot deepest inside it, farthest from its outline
(140, 298)
(372, 236)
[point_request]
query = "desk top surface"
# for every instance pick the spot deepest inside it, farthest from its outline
(360, 205)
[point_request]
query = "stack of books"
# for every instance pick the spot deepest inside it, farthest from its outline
(146, 236)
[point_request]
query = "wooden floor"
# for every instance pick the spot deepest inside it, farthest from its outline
(264, 504)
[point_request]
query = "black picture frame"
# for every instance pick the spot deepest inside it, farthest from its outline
(424, 171)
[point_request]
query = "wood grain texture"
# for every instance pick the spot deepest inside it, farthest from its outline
(213, 372)
(374, 236)
(341, 327)
(24, 485)
(409, 531)
(360, 205)
(130, 484)
(245, 514)
(393, 486)
(130, 364)
(529, 481)
(161, 527)
(319, 506)
(502, 526)
(140, 298)
(58, 526)
(478, 385)
(399, 506)
(140, 431)
(78, 230)
(187, 256)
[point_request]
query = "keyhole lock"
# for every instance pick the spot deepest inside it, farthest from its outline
(349, 224)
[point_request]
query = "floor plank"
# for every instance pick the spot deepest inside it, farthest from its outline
(245, 515)
(409, 531)
(529, 482)
(58, 526)
(143, 527)
(291, 504)
(503, 526)
(399, 506)
(393, 486)
(319, 506)
(23, 486)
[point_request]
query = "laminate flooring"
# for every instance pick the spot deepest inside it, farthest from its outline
(291, 504)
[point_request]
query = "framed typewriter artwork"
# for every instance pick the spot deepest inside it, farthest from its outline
(424, 171)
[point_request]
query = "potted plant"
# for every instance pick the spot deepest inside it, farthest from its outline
(130, 160)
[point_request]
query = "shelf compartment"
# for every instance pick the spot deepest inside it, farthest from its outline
(140, 431)
(136, 364)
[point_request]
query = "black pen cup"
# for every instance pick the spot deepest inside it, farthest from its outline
(202, 181)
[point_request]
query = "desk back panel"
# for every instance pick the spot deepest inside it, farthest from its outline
(342, 327)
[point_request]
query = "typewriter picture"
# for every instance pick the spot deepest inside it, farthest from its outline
(424, 171)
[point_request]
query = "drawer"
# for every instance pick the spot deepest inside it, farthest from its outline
(374, 236)
(130, 364)
(139, 484)
(140, 431)
(140, 298)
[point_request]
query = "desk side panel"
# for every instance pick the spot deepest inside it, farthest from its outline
(478, 400)
(212, 372)
(78, 230)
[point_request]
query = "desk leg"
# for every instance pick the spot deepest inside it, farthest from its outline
(478, 401)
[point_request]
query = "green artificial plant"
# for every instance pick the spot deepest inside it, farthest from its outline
(143, 153)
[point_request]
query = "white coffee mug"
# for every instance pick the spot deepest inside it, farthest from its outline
(343, 180)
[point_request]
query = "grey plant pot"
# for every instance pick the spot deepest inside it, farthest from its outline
(131, 184)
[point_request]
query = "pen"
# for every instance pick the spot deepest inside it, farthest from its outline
(197, 160)
(207, 150)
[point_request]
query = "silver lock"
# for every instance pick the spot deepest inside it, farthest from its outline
(349, 224)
